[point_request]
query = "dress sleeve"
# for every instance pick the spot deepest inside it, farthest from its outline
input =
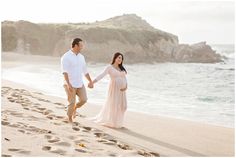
(104, 73)
(64, 64)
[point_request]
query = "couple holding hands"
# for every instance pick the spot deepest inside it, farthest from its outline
(74, 67)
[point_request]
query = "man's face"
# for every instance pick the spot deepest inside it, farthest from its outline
(79, 46)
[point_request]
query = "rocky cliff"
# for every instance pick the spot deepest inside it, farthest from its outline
(129, 34)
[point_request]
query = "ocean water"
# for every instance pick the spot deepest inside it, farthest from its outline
(191, 91)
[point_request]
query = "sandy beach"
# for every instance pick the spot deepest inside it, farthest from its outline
(35, 124)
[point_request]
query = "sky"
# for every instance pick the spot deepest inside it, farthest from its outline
(192, 21)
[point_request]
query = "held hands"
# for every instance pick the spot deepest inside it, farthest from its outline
(90, 84)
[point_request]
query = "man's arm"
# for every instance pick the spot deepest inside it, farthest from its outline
(90, 84)
(67, 80)
(88, 77)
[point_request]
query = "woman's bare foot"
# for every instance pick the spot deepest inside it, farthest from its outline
(70, 119)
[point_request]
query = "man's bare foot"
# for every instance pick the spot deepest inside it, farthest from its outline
(70, 119)
(74, 114)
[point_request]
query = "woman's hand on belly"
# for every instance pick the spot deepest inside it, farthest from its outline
(124, 89)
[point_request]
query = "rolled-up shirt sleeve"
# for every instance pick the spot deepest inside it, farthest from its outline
(64, 65)
(85, 70)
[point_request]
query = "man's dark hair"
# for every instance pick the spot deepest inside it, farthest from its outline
(76, 41)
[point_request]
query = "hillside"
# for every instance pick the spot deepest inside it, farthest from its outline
(129, 34)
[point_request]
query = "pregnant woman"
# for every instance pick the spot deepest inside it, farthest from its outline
(112, 113)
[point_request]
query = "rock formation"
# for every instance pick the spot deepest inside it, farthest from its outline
(129, 34)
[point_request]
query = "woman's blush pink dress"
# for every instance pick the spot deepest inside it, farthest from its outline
(112, 112)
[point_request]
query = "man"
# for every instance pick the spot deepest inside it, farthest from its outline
(73, 68)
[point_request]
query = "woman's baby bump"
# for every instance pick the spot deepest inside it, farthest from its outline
(122, 82)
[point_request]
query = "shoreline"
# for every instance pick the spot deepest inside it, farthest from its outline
(162, 135)
(136, 111)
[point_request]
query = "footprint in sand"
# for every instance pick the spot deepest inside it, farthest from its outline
(15, 125)
(46, 112)
(109, 143)
(15, 94)
(19, 151)
(20, 130)
(19, 101)
(109, 138)
(101, 140)
(59, 151)
(59, 117)
(37, 130)
(113, 155)
(12, 149)
(75, 123)
(26, 108)
(48, 136)
(155, 154)
(65, 121)
(24, 152)
(76, 128)
(50, 117)
(87, 128)
(22, 124)
(38, 111)
(4, 123)
(46, 148)
(99, 134)
(52, 139)
(25, 104)
(11, 99)
(5, 90)
(17, 114)
(41, 109)
(38, 93)
(4, 155)
(60, 104)
(44, 100)
(81, 150)
(80, 147)
(124, 146)
(148, 154)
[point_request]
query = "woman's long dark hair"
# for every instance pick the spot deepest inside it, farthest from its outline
(120, 65)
